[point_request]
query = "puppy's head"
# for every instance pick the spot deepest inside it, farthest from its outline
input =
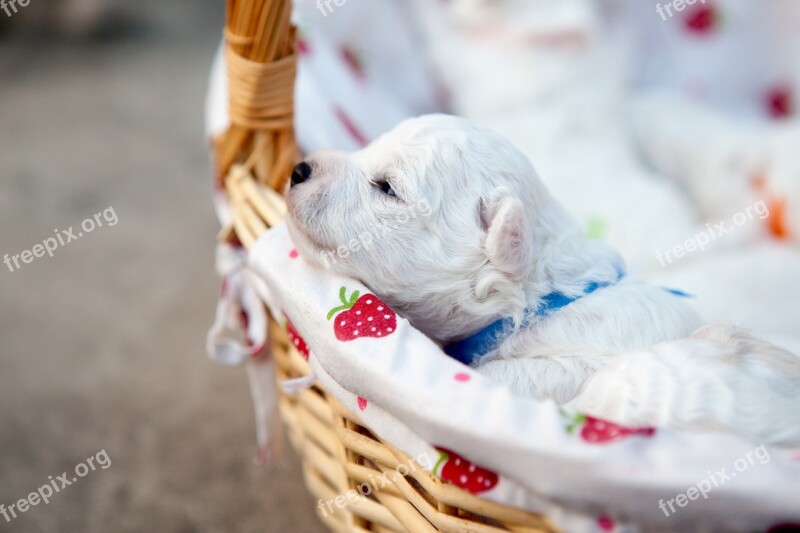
(443, 220)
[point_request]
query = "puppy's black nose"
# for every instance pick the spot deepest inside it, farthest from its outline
(301, 172)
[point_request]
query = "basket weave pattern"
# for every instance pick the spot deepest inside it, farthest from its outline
(339, 453)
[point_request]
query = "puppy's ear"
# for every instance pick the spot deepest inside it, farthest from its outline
(509, 242)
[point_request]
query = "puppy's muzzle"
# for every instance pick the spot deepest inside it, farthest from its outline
(301, 173)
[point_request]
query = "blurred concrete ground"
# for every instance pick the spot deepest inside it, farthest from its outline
(102, 346)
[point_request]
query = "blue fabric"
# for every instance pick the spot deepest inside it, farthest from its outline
(484, 341)
(678, 293)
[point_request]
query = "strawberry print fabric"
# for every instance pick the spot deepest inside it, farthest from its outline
(691, 53)
(364, 316)
(478, 436)
(360, 73)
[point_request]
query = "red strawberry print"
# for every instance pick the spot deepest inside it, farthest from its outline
(599, 431)
(701, 20)
(779, 102)
(366, 316)
(357, 135)
(303, 48)
(605, 523)
(295, 338)
(235, 242)
(463, 474)
(362, 403)
(352, 60)
(301, 44)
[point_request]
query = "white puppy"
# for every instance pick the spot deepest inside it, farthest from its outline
(495, 270)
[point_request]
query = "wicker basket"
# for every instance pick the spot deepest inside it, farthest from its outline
(339, 453)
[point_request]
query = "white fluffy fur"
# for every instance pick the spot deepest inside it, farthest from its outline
(720, 379)
(493, 243)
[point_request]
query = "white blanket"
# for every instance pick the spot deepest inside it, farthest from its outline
(589, 479)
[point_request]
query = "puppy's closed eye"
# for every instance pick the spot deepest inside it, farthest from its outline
(483, 216)
(385, 187)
